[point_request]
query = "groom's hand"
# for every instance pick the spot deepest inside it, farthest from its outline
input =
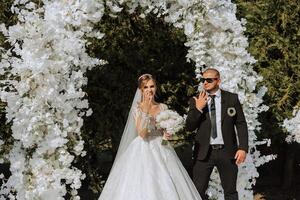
(240, 156)
(201, 100)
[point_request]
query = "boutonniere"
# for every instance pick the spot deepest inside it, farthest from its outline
(231, 111)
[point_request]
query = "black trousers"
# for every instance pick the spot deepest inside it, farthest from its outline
(227, 170)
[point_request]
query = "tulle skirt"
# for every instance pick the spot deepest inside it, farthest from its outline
(148, 170)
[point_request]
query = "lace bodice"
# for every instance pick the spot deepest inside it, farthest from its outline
(147, 122)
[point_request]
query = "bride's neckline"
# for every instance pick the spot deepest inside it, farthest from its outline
(153, 116)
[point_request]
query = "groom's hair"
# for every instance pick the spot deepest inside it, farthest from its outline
(212, 69)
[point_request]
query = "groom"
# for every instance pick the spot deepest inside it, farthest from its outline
(222, 136)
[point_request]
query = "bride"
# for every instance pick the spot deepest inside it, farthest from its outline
(144, 169)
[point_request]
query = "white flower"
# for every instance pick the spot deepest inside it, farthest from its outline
(188, 28)
(170, 120)
(293, 127)
(231, 111)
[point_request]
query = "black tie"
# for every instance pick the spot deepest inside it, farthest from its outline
(213, 131)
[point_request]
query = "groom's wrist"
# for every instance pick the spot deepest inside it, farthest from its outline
(244, 149)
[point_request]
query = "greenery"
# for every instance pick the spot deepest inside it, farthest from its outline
(5, 132)
(274, 37)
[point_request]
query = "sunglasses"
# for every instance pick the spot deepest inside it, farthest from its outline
(209, 80)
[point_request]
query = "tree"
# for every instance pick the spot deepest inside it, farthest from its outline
(274, 37)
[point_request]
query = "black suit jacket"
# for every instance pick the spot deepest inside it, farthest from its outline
(201, 122)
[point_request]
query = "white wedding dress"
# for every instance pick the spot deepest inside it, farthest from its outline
(148, 170)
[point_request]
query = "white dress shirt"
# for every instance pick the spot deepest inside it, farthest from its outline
(219, 138)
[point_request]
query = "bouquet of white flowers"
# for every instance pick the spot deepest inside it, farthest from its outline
(170, 121)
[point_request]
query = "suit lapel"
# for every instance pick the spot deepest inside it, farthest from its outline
(206, 111)
(223, 105)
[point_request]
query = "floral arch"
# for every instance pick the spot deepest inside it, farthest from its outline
(45, 71)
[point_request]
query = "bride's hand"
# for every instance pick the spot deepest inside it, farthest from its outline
(146, 102)
(167, 135)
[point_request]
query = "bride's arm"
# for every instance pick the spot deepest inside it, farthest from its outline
(141, 122)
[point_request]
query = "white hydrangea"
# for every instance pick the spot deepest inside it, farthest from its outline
(46, 103)
(170, 121)
(292, 126)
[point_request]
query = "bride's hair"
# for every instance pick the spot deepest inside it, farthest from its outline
(145, 78)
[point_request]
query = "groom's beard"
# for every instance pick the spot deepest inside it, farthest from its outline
(213, 90)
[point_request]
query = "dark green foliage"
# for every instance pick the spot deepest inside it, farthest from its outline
(8, 19)
(274, 37)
